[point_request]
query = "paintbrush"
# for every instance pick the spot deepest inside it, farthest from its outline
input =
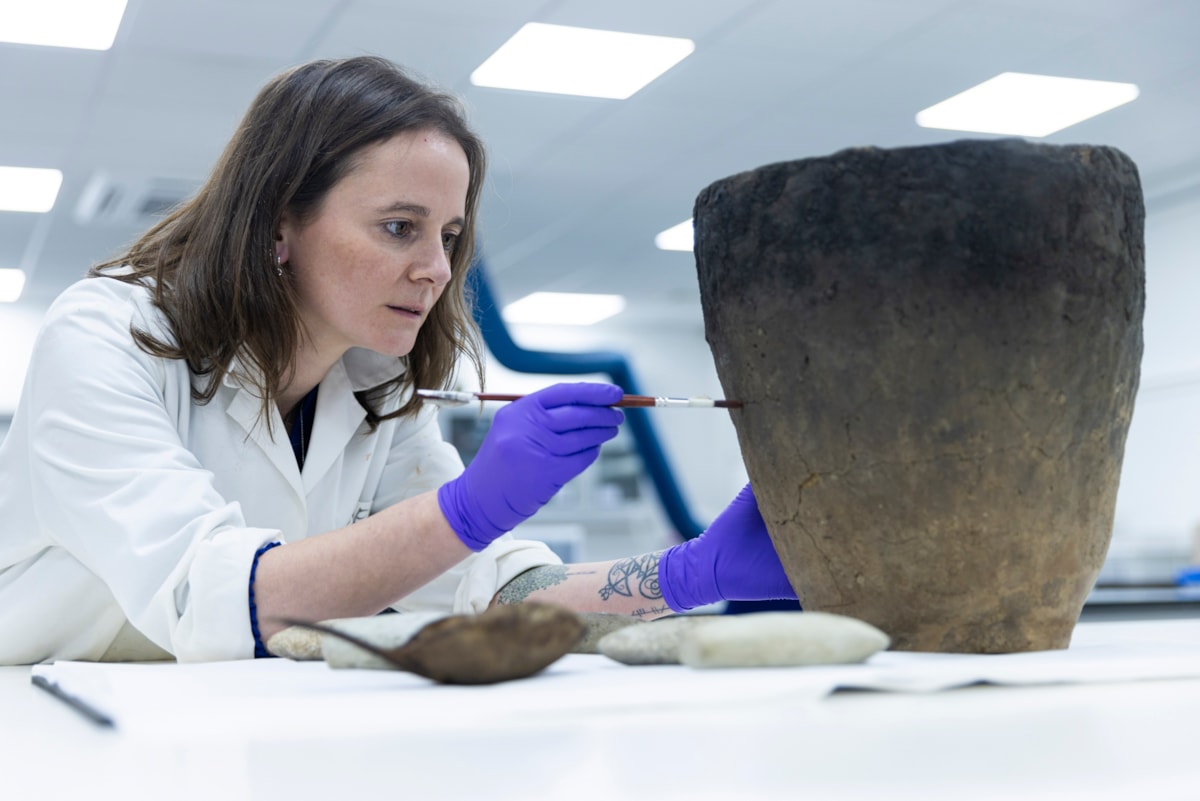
(449, 397)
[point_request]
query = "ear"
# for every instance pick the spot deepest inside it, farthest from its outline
(283, 237)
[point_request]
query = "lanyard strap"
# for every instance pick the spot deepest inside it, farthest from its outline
(300, 432)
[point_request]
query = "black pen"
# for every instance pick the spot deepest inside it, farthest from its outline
(75, 702)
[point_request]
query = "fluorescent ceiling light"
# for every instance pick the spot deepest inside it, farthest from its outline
(84, 24)
(1019, 104)
(28, 189)
(677, 237)
(563, 308)
(580, 61)
(11, 284)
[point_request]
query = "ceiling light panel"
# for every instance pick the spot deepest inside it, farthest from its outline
(82, 24)
(677, 237)
(28, 189)
(12, 282)
(563, 308)
(1020, 104)
(589, 62)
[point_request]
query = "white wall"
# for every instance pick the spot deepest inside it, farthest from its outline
(1160, 482)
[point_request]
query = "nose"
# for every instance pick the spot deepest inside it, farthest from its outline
(432, 264)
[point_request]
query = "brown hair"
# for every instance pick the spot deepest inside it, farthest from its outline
(210, 263)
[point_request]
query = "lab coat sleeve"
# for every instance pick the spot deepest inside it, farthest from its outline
(420, 460)
(115, 487)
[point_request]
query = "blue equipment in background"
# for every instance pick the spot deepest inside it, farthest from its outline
(611, 363)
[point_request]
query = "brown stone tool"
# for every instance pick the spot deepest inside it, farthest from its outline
(504, 643)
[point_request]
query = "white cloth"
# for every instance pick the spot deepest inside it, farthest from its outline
(124, 504)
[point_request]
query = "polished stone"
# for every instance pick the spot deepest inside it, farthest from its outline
(598, 626)
(653, 643)
(780, 639)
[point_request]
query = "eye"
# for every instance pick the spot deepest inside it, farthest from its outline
(398, 228)
(449, 241)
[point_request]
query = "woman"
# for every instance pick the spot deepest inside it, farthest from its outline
(242, 378)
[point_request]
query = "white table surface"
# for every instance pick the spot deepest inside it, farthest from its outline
(1132, 740)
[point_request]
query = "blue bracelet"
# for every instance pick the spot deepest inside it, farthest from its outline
(260, 650)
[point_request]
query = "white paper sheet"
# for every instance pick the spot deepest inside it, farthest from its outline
(282, 699)
(286, 699)
(914, 672)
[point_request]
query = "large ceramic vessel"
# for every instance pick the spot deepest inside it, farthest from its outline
(938, 351)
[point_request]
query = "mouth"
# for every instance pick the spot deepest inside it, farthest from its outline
(408, 311)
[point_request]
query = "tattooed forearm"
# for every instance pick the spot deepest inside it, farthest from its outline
(636, 574)
(532, 580)
(624, 586)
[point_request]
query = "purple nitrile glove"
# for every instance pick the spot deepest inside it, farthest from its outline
(535, 446)
(733, 560)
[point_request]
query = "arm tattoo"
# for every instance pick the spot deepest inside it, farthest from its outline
(653, 611)
(637, 573)
(532, 580)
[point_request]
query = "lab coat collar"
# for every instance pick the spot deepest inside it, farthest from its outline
(338, 417)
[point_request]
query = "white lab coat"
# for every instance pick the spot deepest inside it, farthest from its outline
(129, 514)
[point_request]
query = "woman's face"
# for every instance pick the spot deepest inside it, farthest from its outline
(371, 264)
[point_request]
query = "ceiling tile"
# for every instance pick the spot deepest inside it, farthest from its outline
(254, 30)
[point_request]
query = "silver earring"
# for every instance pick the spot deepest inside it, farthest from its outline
(279, 265)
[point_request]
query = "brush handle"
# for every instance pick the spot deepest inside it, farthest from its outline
(637, 400)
